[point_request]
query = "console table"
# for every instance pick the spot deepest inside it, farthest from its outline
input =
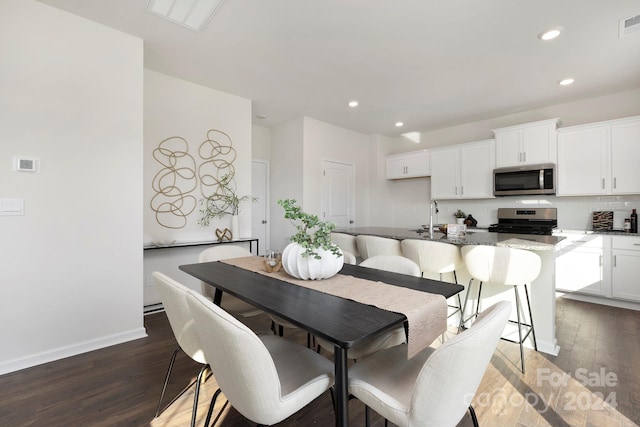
(250, 240)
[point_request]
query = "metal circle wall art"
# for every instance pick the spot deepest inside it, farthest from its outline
(178, 177)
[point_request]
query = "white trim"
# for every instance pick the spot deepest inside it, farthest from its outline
(71, 350)
(629, 305)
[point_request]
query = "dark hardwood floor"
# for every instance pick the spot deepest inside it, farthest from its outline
(120, 385)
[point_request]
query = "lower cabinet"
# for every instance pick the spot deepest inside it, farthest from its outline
(599, 265)
(580, 265)
(625, 268)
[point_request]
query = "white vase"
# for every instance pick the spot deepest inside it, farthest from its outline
(308, 267)
(235, 230)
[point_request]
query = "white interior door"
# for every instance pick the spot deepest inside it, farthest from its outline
(260, 209)
(338, 201)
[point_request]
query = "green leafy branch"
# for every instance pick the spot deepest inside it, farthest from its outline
(312, 233)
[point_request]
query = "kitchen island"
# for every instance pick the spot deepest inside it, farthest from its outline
(541, 291)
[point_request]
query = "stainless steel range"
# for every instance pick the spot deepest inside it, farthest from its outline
(526, 221)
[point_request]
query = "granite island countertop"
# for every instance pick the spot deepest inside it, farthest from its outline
(518, 241)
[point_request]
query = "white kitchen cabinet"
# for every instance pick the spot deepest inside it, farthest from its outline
(625, 267)
(625, 156)
(580, 265)
(527, 144)
(599, 158)
(463, 171)
(407, 165)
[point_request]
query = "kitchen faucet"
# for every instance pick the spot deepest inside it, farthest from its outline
(434, 204)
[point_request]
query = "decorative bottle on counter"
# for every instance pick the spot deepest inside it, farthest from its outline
(634, 221)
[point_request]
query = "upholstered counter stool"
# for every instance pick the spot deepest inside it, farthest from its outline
(370, 246)
(346, 242)
(503, 266)
(435, 258)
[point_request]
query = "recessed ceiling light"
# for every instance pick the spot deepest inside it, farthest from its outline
(193, 14)
(566, 82)
(353, 104)
(550, 33)
(399, 124)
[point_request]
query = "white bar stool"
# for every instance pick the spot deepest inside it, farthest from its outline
(369, 246)
(434, 258)
(504, 266)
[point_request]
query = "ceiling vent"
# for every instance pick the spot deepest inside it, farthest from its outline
(193, 14)
(629, 26)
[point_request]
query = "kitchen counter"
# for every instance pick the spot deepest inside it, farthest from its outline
(518, 241)
(561, 231)
(541, 291)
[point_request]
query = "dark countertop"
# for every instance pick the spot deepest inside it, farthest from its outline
(518, 241)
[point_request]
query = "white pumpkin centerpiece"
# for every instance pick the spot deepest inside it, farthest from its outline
(311, 255)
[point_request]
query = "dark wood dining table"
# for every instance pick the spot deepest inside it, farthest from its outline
(341, 321)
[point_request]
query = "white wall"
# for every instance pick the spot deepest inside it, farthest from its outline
(177, 108)
(324, 141)
(71, 265)
(286, 176)
(260, 142)
(298, 149)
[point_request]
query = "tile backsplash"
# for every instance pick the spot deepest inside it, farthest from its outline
(573, 212)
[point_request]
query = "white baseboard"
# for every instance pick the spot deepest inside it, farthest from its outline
(70, 350)
(630, 305)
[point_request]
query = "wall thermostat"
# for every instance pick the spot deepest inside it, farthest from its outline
(26, 164)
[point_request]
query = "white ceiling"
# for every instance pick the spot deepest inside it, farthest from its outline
(427, 63)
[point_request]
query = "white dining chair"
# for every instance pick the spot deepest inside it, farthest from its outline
(346, 242)
(435, 387)
(397, 336)
(503, 266)
(349, 258)
(266, 378)
(230, 303)
(174, 300)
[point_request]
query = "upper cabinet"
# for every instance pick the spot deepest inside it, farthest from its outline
(526, 144)
(408, 165)
(463, 171)
(599, 158)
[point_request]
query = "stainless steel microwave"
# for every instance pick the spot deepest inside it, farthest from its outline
(523, 180)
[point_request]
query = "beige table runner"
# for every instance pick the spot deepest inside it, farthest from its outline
(426, 313)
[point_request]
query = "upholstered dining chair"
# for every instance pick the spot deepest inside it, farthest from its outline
(397, 336)
(349, 258)
(266, 378)
(435, 387)
(230, 303)
(346, 242)
(369, 246)
(174, 299)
